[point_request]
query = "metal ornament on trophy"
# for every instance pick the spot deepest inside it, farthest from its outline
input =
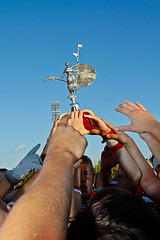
(85, 76)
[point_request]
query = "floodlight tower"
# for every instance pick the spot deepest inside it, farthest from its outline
(55, 110)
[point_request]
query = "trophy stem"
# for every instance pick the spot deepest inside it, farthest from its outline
(74, 106)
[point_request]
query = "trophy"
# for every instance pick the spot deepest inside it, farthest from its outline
(78, 75)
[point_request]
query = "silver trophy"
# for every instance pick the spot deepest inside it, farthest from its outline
(78, 75)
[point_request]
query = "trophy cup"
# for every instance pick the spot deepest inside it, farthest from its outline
(84, 76)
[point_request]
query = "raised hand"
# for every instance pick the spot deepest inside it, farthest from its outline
(99, 126)
(27, 166)
(76, 121)
(67, 140)
(141, 119)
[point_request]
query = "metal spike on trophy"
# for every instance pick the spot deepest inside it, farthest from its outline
(84, 76)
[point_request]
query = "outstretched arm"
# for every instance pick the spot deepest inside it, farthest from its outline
(43, 211)
(149, 183)
(115, 153)
(44, 152)
(108, 161)
(153, 144)
(22, 172)
(76, 192)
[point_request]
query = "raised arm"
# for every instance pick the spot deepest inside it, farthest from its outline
(149, 183)
(43, 211)
(108, 161)
(153, 144)
(76, 191)
(44, 152)
(22, 172)
(115, 153)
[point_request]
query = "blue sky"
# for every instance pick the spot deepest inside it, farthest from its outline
(121, 40)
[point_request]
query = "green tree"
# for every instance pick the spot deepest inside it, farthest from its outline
(97, 168)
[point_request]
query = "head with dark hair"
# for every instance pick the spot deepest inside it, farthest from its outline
(87, 177)
(115, 214)
(88, 161)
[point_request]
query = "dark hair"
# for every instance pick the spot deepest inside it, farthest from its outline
(87, 160)
(115, 214)
(3, 169)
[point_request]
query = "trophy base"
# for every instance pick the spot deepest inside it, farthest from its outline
(74, 107)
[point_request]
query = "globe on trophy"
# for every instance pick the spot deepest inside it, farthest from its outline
(78, 75)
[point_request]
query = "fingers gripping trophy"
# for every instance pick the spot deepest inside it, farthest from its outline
(78, 75)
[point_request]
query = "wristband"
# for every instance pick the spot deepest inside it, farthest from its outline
(105, 138)
(77, 187)
(114, 145)
(77, 191)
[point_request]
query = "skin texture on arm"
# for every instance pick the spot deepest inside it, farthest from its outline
(153, 144)
(4, 210)
(44, 152)
(107, 162)
(126, 162)
(149, 182)
(142, 121)
(43, 211)
(132, 177)
(76, 197)
(4, 187)
(25, 187)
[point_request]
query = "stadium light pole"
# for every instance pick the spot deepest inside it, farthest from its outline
(55, 110)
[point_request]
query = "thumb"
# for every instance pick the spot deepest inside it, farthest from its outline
(33, 150)
(123, 128)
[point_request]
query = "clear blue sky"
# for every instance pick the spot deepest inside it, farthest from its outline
(121, 40)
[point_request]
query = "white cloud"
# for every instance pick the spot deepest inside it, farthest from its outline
(18, 148)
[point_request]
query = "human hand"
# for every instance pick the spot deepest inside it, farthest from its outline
(140, 118)
(67, 140)
(44, 152)
(99, 126)
(76, 121)
(56, 123)
(117, 135)
(27, 166)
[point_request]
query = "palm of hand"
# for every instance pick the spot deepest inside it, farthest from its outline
(140, 120)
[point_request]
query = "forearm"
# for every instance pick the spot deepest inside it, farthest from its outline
(104, 178)
(147, 172)
(25, 187)
(153, 144)
(4, 187)
(129, 166)
(48, 199)
(76, 191)
(154, 129)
